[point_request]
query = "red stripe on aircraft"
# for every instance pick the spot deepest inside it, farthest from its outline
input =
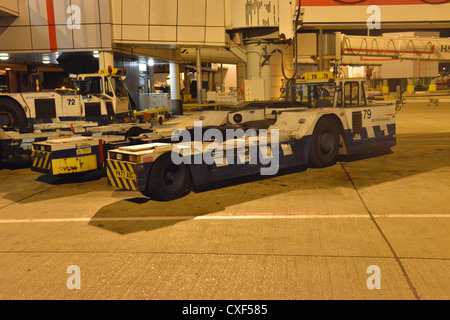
(319, 3)
(51, 26)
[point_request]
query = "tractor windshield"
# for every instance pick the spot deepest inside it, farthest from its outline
(93, 85)
(314, 95)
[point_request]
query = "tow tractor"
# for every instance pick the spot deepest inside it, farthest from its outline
(318, 120)
(100, 97)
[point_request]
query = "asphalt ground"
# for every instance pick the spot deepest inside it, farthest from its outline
(303, 234)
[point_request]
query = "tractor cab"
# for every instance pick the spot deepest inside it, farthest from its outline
(107, 85)
(325, 91)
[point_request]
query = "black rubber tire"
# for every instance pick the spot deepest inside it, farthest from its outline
(134, 132)
(11, 115)
(168, 181)
(324, 144)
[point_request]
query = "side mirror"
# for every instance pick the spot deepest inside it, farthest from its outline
(398, 105)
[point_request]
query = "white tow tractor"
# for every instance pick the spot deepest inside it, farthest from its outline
(318, 120)
(101, 97)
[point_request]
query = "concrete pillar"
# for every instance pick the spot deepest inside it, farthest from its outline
(175, 96)
(187, 84)
(255, 56)
(221, 78)
(210, 81)
(320, 49)
(199, 77)
(106, 59)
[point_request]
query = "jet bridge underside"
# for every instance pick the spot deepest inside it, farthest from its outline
(356, 49)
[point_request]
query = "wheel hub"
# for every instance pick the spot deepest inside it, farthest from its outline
(5, 120)
(172, 176)
(326, 142)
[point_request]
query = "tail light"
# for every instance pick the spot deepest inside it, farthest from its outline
(38, 147)
(112, 155)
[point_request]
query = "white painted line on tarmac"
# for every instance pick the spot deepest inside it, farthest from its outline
(235, 217)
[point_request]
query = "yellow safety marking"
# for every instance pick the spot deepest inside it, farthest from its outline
(119, 185)
(35, 162)
(119, 174)
(46, 161)
(40, 162)
(132, 182)
(110, 177)
(124, 180)
(74, 164)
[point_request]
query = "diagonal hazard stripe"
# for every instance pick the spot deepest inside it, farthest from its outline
(132, 182)
(114, 180)
(111, 177)
(39, 165)
(124, 181)
(35, 161)
(46, 161)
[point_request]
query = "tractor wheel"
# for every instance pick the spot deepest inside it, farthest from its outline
(325, 144)
(10, 115)
(134, 132)
(168, 181)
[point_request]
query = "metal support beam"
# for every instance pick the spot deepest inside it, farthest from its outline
(199, 77)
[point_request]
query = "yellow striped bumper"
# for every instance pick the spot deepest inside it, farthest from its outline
(41, 160)
(121, 175)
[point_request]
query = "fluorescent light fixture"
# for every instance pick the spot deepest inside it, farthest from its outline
(4, 56)
(142, 67)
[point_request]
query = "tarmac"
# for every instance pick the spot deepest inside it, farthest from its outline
(371, 227)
